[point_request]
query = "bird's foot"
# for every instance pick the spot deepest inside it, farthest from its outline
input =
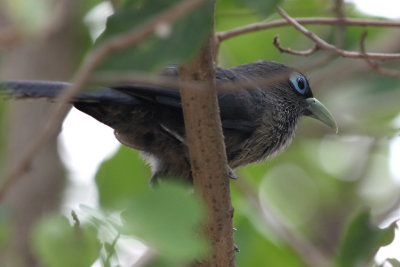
(231, 173)
(235, 248)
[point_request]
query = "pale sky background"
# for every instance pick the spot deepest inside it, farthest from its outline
(84, 143)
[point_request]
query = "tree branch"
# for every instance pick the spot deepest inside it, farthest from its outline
(117, 43)
(323, 45)
(222, 36)
(338, 9)
(116, 78)
(373, 64)
(207, 155)
(9, 36)
(304, 53)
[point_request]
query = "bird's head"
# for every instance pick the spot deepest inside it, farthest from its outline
(292, 91)
(300, 90)
(285, 89)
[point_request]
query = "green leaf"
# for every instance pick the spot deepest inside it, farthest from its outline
(57, 244)
(171, 44)
(263, 7)
(362, 240)
(166, 219)
(34, 16)
(120, 177)
(88, 5)
(257, 250)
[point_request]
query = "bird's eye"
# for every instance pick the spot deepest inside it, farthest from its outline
(299, 82)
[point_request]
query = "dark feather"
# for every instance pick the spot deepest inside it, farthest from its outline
(257, 121)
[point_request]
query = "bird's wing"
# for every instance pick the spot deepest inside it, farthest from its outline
(153, 94)
(108, 105)
(238, 107)
(235, 107)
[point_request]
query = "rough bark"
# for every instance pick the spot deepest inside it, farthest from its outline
(208, 157)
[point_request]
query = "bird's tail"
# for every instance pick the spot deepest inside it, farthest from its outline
(49, 90)
(104, 104)
(31, 89)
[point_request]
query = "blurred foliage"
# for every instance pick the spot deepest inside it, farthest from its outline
(313, 188)
(30, 15)
(362, 240)
(165, 219)
(128, 169)
(258, 247)
(58, 244)
(173, 43)
(263, 8)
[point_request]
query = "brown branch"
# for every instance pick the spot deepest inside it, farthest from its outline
(304, 53)
(207, 155)
(9, 36)
(323, 45)
(222, 36)
(341, 15)
(373, 64)
(61, 13)
(118, 78)
(117, 43)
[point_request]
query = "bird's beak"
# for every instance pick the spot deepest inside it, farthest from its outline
(320, 112)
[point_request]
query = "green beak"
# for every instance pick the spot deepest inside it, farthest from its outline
(320, 112)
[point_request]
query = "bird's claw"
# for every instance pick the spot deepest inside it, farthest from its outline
(235, 248)
(231, 173)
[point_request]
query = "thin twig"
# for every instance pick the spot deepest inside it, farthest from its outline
(76, 220)
(304, 53)
(59, 17)
(118, 78)
(373, 64)
(341, 15)
(323, 45)
(117, 43)
(222, 36)
(111, 250)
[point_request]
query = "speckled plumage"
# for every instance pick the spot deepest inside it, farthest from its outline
(257, 122)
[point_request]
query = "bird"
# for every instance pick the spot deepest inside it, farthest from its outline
(258, 119)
